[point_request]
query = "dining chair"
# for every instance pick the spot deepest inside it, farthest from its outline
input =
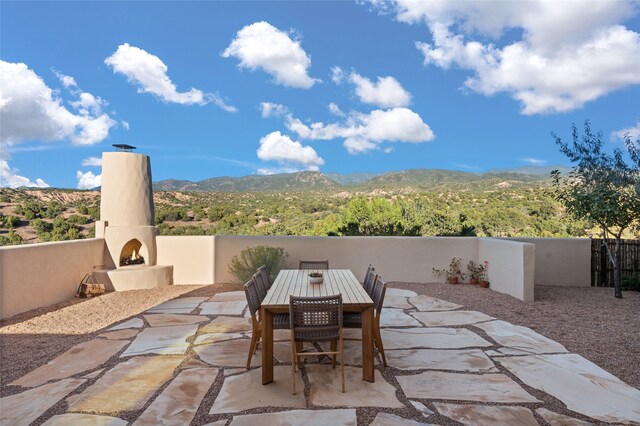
(369, 280)
(354, 319)
(316, 319)
(314, 264)
(261, 287)
(265, 276)
(280, 321)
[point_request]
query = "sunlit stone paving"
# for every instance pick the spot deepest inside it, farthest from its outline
(183, 362)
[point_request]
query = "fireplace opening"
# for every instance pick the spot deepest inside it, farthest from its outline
(130, 254)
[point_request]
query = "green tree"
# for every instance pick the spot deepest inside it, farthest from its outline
(602, 188)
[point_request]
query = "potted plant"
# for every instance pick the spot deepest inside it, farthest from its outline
(453, 273)
(483, 279)
(476, 271)
(315, 277)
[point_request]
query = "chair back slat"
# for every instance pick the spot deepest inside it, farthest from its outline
(379, 290)
(265, 276)
(261, 287)
(315, 314)
(368, 275)
(314, 264)
(253, 299)
(369, 286)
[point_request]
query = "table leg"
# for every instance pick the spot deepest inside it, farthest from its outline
(267, 346)
(367, 345)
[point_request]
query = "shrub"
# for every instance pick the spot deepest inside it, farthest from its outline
(244, 265)
(10, 239)
(631, 282)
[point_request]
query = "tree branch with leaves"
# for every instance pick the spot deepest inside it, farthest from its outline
(601, 188)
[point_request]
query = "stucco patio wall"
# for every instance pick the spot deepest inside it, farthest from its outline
(192, 258)
(395, 258)
(37, 275)
(511, 266)
(562, 262)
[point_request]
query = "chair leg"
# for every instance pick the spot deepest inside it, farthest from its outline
(293, 366)
(299, 349)
(378, 341)
(252, 348)
(341, 361)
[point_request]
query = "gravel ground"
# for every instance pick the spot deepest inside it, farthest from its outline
(588, 321)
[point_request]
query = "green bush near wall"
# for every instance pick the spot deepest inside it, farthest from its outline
(244, 265)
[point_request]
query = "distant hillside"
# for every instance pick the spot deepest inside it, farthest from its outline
(426, 179)
(252, 183)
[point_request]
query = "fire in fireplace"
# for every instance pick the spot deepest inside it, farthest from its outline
(130, 254)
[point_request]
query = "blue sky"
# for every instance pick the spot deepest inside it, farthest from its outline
(236, 88)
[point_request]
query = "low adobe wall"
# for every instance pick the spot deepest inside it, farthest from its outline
(192, 258)
(511, 266)
(562, 262)
(409, 259)
(37, 275)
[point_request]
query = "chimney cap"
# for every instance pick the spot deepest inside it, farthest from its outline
(123, 147)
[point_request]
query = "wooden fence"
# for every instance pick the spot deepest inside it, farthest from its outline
(601, 268)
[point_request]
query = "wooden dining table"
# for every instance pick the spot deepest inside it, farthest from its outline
(335, 281)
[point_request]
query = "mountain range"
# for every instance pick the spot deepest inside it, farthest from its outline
(425, 179)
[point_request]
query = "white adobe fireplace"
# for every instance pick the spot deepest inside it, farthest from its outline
(127, 223)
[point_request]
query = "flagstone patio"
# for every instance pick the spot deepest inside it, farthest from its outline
(183, 362)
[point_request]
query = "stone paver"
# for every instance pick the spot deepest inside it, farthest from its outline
(82, 357)
(326, 388)
(519, 337)
(132, 323)
(223, 308)
(209, 338)
(84, 419)
(229, 296)
(345, 417)
(162, 320)
(400, 292)
(24, 408)
(465, 387)
(120, 334)
(483, 415)
(224, 324)
(450, 318)
(178, 402)
(422, 408)
(181, 305)
(397, 318)
(94, 374)
(246, 391)
(399, 302)
(128, 386)
(560, 376)
(386, 419)
(472, 360)
(556, 419)
(171, 340)
(232, 353)
(435, 338)
(426, 303)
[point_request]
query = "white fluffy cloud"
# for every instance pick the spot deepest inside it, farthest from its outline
(386, 93)
(570, 52)
(9, 178)
(632, 132)
(92, 161)
(362, 132)
(335, 110)
(534, 161)
(88, 180)
(31, 111)
(149, 73)
(261, 45)
(337, 75)
(288, 153)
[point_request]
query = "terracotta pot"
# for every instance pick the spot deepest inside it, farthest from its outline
(473, 281)
(453, 280)
(484, 284)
